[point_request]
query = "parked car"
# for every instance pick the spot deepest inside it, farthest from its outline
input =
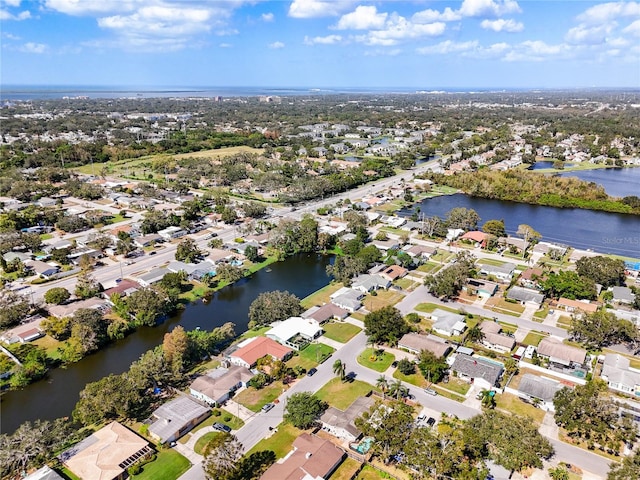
(312, 372)
(222, 427)
(431, 422)
(267, 407)
(430, 391)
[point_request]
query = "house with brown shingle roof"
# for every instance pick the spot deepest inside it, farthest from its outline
(559, 353)
(415, 343)
(572, 306)
(254, 349)
(311, 458)
(393, 272)
(216, 386)
(106, 454)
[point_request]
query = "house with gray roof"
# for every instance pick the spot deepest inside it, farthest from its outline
(560, 354)
(154, 276)
(367, 282)
(217, 385)
(326, 312)
(479, 371)
(11, 256)
(623, 295)
(494, 340)
(43, 269)
(347, 298)
(448, 323)
(525, 295)
(617, 372)
(503, 272)
(415, 343)
(542, 389)
(176, 417)
(480, 287)
(341, 424)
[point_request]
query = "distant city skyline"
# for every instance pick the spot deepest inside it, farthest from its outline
(321, 43)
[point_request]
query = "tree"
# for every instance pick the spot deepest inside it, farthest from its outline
(13, 307)
(339, 369)
(175, 348)
(397, 390)
(608, 272)
(226, 272)
(390, 426)
(449, 281)
(383, 384)
(474, 334)
(221, 456)
(57, 295)
(602, 328)
(569, 285)
(528, 233)
(406, 366)
(87, 286)
(628, 468)
(110, 398)
(385, 325)
(432, 367)
(147, 305)
(495, 227)
(464, 218)
(251, 252)
(254, 466)
(303, 409)
(587, 413)
(187, 251)
(559, 473)
(272, 307)
(511, 366)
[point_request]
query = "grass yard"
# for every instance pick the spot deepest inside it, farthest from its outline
(430, 307)
(414, 379)
(255, 399)
(513, 404)
(320, 297)
(533, 338)
(280, 442)
(370, 473)
(341, 394)
(382, 299)
(50, 344)
(168, 465)
(358, 316)
(508, 327)
(542, 313)
(456, 385)
(429, 267)
(564, 321)
(346, 470)
(502, 306)
(442, 256)
(375, 359)
(490, 261)
(340, 332)
(407, 283)
(198, 291)
(254, 332)
(203, 367)
(311, 356)
(203, 441)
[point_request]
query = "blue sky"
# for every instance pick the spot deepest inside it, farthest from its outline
(321, 43)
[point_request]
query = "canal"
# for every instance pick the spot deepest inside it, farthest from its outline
(56, 395)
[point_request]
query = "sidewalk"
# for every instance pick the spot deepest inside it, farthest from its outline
(240, 411)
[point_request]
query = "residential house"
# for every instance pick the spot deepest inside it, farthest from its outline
(295, 332)
(251, 350)
(393, 272)
(341, 424)
(575, 306)
(326, 312)
(124, 288)
(44, 473)
(172, 232)
(147, 240)
(216, 386)
(479, 371)
(518, 244)
(623, 295)
(477, 237)
(480, 287)
(68, 309)
(503, 272)
(539, 389)
(420, 251)
(416, 342)
(531, 277)
(494, 340)
(312, 458)
(525, 295)
(448, 323)
(617, 372)
(367, 282)
(24, 332)
(578, 254)
(12, 256)
(42, 269)
(386, 245)
(154, 276)
(106, 454)
(545, 248)
(560, 354)
(347, 298)
(176, 417)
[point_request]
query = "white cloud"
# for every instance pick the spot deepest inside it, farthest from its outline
(32, 47)
(428, 16)
(318, 8)
(588, 35)
(267, 17)
(537, 50)
(93, 7)
(10, 36)
(399, 28)
(225, 45)
(448, 46)
(11, 3)
(633, 29)
(328, 40)
(502, 25)
(362, 18)
(6, 15)
(494, 8)
(383, 52)
(606, 12)
(276, 45)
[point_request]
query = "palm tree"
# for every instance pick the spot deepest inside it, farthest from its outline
(339, 368)
(397, 390)
(475, 334)
(383, 384)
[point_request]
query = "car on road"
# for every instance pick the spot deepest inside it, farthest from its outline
(153, 252)
(430, 391)
(312, 372)
(222, 427)
(267, 407)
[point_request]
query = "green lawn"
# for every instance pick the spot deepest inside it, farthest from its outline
(341, 394)
(508, 327)
(382, 299)
(456, 385)
(370, 473)
(320, 297)
(542, 313)
(430, 307)
(429, 267)
(513, 404)
(405, 283)
(502, 306)
(340, 332)
(414, 379)
(311, 356)
(346, 470)
(280, 442)
(533, 338)
(490, 261)
(203, 440)
(255, 399)
(168, 465)
(254, 332)
(375, 359)
(358, 316)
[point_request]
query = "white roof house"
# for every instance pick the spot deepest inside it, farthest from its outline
(619, 375)
(282, 332)
(448, 323)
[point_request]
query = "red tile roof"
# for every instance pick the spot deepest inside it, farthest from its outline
(259, 348)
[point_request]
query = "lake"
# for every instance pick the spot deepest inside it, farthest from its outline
(618, 182)
(586, 229)
(56, 395)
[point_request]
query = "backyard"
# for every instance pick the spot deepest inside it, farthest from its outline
(280, 442)
(168, 465)
(255, 399)
(320, 297)
(311, 356)
(341, 394)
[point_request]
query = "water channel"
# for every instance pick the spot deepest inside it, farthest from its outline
(56, 395)
(586, 229)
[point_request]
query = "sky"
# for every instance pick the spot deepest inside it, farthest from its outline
(416, 44)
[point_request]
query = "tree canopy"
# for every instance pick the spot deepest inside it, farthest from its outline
(385, 325)
(304, 409)
(606, 271)
(272, 307)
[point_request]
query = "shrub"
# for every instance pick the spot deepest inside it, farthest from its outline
(217, 413)
(227, 418)
(406, 366)
(134, 469)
